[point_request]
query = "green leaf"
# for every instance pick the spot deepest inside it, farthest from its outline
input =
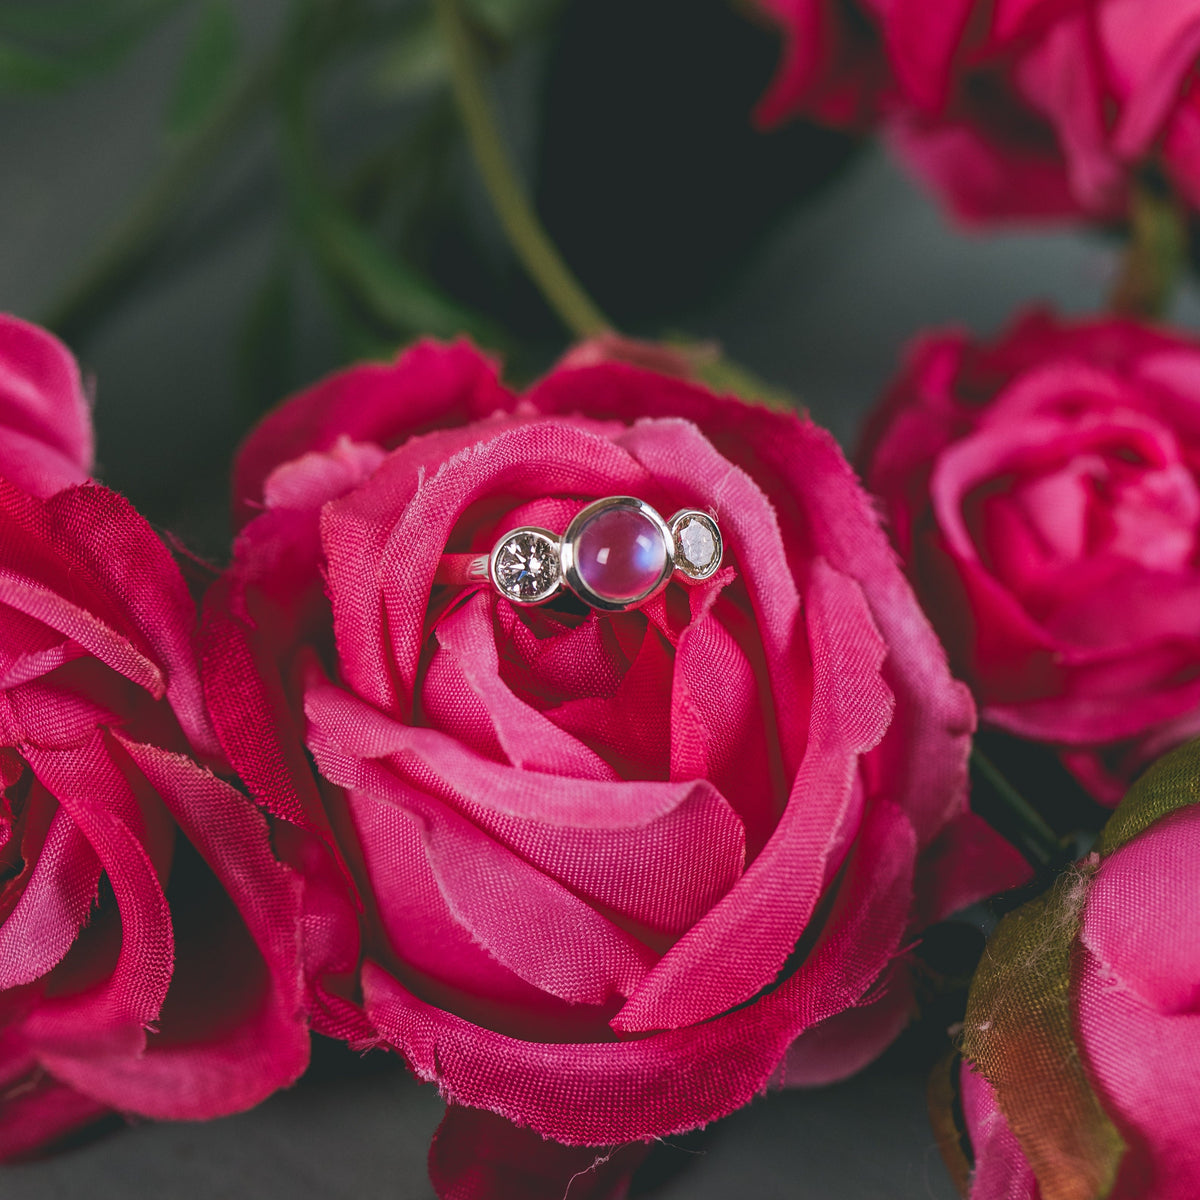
(358, 265)
(415, 61)
(944, 1101)
(267, 341)
(511, 19)
(24, 70)
(396, 294)
(54, 46)
(76, 21)
(1018, 1032)
(207, 70)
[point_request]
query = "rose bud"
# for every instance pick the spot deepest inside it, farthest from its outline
(1082, 1033)
(1043, 493)
(148, 956)
(614, 871)
(1006, 109)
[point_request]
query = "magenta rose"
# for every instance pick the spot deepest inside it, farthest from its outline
(1009, 109)
(148, 956)
(1044, 494)
(615, 873)
(1084, 1024)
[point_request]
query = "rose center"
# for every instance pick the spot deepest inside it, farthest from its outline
(1098, 506)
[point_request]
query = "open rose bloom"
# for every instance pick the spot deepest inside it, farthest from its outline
(1083, 1027)
(1044, 492)
(148, 949)
(1008, 109)
(605, 876)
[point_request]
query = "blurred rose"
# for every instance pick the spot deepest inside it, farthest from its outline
(1043, 492)
(1008, 110)
(1085, 1020)
(611, 867)
(133, 977)
(46, 437)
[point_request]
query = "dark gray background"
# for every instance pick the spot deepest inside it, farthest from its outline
(823, 310)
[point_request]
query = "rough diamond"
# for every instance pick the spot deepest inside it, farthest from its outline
(698, 544)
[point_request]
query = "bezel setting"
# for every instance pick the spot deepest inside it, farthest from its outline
(548, 583)
(569, 553)
(530, 565)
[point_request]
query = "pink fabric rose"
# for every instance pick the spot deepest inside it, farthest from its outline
(1044, 492)
(1131, 1020)
(148, 957)
(1008, 110)
(615, 874)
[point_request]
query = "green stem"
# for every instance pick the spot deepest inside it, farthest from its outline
(131, 243)
(529, 239)
(1042, 841)
(360, 273)
(1155, 255)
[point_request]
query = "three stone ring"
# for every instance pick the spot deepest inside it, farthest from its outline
(616, 554)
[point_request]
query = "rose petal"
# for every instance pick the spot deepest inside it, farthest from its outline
(427, 386)
(1001, 1170)
(922, 40)
(77, 1033)
(439, 956)
(1141, 922)
(246, 1046)
(511, 908)
(474, 695)
(109, 539)
(841, 1045)
(34, 1117)
(741, 944)
(48, 442)
(1145, 1063)
(598, 1094)
(477, 1155)
(1150, 47)
(53, 906)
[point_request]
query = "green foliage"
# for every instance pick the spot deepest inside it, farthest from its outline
(415, 60)
(510, 20)
(1018, 1033)
(53, 45)
(266, 342)
(385, 288)
(375, 293)
(207, 70)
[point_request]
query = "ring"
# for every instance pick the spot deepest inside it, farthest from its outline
(616, 554)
